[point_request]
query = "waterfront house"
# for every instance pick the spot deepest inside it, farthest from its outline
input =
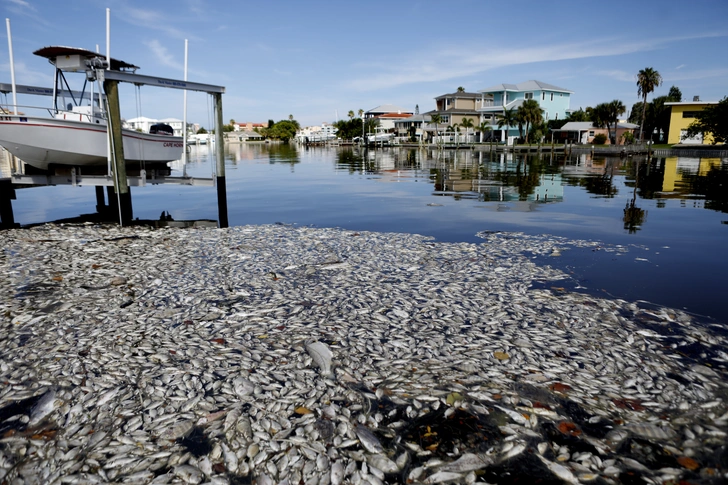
(681, 115)
(495, 100)
(143, 124)
(248, 126)
(453, 108)
(583, 132)
(417, 123)
(387, 114)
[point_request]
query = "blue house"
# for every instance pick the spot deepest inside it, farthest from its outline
(495, 100)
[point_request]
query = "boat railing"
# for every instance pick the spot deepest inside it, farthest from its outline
(45, 112)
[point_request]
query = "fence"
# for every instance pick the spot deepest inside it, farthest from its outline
(682, 152)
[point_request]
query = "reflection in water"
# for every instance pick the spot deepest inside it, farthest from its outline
(634, 217)
(538, 179)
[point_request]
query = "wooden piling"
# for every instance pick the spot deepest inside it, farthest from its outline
(7, 193)
(121, 187)
(222, 211)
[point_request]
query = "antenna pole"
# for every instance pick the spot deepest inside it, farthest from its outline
(184, 122)
(12, 67)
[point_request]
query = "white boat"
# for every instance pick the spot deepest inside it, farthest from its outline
(380, 136)
(75, 134)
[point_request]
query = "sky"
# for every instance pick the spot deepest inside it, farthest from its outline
(317, 60)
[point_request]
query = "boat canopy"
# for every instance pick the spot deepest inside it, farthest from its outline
(52, 53)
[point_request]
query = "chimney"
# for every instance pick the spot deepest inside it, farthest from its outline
(696, 99)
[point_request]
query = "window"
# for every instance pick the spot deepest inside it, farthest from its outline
(591, 133)
(445, 118)
(552, 96)
(528, 96)
(543, 96)
(690, 114)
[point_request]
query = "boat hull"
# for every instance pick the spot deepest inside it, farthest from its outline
(41, 142)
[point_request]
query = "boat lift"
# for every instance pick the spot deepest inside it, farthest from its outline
(110, 80)
(119, 179)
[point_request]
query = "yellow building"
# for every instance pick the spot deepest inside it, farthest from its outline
(681, 115)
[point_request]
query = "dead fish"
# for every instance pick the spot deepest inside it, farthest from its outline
(368, 440)
(560, 471)
(45, 406)
(243, 387)
(468, 462)
(321, 355)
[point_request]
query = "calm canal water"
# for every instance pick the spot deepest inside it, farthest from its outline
(671, 213)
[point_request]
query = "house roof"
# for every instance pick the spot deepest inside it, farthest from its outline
(525, 86)
(461, 94)
(421, 117)
(688, 103)
(141, 119)
(388, 108)
(471, 112)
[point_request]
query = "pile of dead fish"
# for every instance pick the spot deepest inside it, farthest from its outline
(277, 354)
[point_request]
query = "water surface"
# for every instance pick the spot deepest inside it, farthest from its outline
(670, 212)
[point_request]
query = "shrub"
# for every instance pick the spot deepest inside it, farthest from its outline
(600, 139)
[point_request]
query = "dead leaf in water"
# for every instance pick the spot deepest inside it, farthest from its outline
(688, 463)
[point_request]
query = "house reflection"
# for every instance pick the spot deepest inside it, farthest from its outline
(509, 177)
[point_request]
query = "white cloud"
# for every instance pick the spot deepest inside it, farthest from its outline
(163, 55)
(154, 20)
(618, 75)
(22, 4)
(699, 74)
(679, 67)
(455, 62)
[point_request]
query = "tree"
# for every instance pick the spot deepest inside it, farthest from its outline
(284, 130)
(614, 110)
(350, 114)
(712, 119)
(461, 89)
(417, 109)
(531, 114)
(437, 119)
(675, 94)
(647, 80)
(361, 112)
(508, 118)
(578, 115)
(600, 115)
(467, 123)
(202, 131)
(483, 128)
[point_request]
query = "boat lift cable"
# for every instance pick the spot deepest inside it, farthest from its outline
(210, 117)
(138, 92)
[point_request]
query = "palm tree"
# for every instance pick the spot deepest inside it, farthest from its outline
(531, 113)
(350, 114)
(615, 108)
(483, 128)
(508, 118)
(461, 89)
(361, 112)
(647, 80)
(435, 118)
(467, 123)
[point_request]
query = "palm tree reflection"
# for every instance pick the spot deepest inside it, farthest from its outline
(634, 217)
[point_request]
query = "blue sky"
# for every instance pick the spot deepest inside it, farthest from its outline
(315, 59)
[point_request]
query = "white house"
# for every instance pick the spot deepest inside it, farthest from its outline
(143, 124)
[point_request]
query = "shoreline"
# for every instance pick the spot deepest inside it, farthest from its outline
(185, 356)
